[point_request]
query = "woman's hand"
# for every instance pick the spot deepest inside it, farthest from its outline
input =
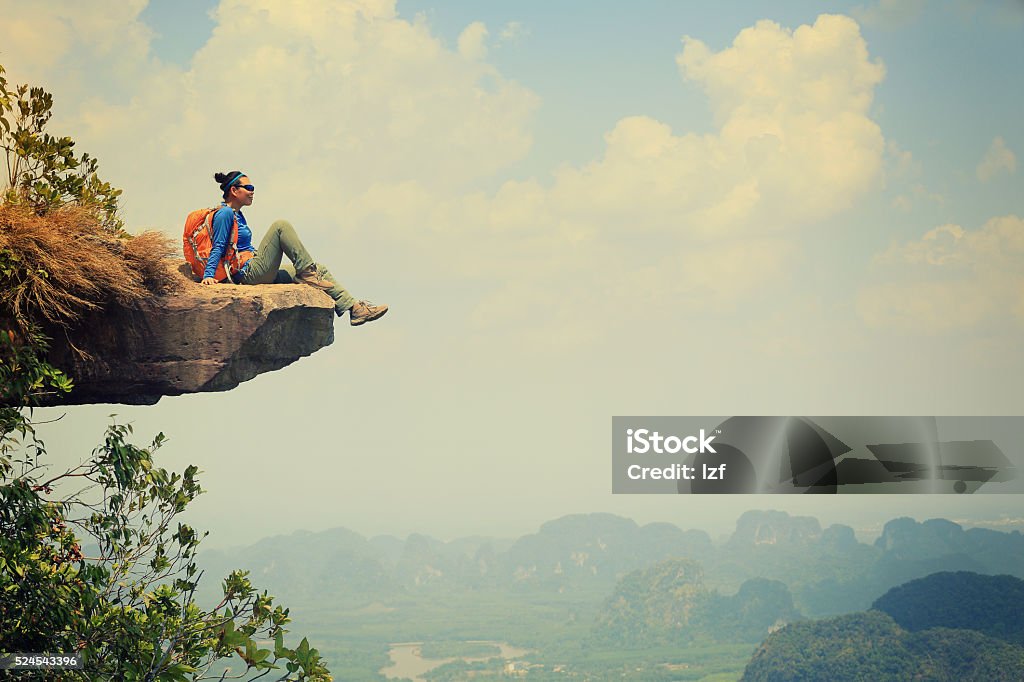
(209, 280)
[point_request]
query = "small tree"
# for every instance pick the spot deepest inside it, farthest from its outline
(94, 560)
(43, 170)
(127, 603)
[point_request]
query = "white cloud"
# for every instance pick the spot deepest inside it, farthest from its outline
(362, 127)
(685, 221)
(512, 32)
(998, 159)
(794, 144)
(473, 41)
(71, 48)
(901, 162)
(951, 278)
(320, 102)
(939, 246)
(673, 260)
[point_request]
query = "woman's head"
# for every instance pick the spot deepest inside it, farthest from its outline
(236, 187)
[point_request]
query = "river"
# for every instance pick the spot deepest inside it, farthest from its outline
(407, 662)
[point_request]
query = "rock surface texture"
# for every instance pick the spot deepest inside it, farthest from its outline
(199, 338)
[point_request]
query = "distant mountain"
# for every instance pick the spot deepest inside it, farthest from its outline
(588, 549)
(907, 550)
(814, 563)
(840, 577)
(303, 565)
(827, 571)
(993, 605)
(775, 528)
(581, 551)
(943, 545)
(872, 646)
(668, 603)
(388, 548)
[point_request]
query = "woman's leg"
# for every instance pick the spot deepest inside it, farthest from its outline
(282, 240)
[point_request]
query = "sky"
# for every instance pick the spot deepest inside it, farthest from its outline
(575, 211)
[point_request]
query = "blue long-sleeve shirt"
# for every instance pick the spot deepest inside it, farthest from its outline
(223, 221)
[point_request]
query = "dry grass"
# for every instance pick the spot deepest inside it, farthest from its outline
(67, 264)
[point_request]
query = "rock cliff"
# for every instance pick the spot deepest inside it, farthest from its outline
(196, 339)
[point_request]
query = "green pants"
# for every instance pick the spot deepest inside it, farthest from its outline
(282, 240)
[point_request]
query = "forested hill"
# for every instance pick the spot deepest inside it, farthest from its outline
(947, 626)
(990, 604)
(871, 646)
(668, 603)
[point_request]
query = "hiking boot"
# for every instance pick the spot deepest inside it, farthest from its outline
(315, 277)
(364, 311)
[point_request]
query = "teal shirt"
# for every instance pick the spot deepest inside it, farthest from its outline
(223, 221)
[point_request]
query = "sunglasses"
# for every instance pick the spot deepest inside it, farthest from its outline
(251, 188)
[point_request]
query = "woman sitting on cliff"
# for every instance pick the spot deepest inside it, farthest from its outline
(263, 266)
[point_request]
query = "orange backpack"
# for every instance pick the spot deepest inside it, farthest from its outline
(197, 241)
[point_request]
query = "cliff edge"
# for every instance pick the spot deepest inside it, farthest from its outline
(194, 339)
